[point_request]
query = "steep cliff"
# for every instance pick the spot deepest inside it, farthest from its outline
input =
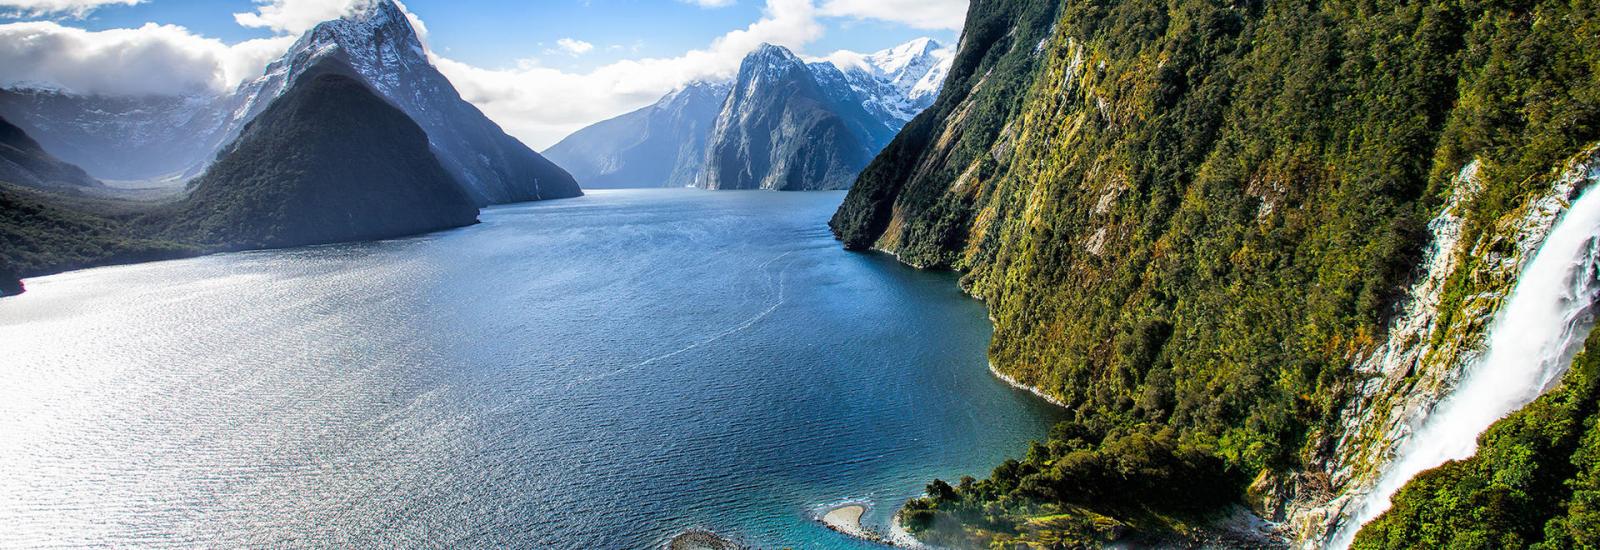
(1199, 219)
(24, 162)
(781, 129)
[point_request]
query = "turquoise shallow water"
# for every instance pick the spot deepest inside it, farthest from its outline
(602, 372)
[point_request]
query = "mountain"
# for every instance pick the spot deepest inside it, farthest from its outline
(329, 160)
(781, 129)
(896, 84)
(1256, 249)
(160, 139)
(379, 43)
(663, 145)
(42, 232)
(24, 162)
(48, 225)
(168, 140)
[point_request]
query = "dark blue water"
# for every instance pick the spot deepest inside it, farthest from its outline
(601, 372)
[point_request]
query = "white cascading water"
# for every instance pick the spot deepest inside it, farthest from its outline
(1534, 336)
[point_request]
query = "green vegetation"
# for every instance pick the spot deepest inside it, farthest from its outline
(1194, 214)
(328, 161)
(1079, 490)
(42, 233)
(1534, 483)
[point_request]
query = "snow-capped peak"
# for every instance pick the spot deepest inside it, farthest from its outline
(897, 83)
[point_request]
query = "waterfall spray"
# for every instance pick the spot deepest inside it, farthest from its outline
(1531, 342)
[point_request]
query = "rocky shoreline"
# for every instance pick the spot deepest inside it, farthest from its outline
(1024, 387)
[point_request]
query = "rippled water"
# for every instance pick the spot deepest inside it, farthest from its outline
(600, 372)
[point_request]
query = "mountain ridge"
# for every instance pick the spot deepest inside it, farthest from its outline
(667, 143)
(329, 160)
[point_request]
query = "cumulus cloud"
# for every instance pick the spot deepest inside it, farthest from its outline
(153, 59)
(298, 16)
(540, 105)
(74, 8)
(535, 103)
(922, 14)
(574, 47)
(295, 16)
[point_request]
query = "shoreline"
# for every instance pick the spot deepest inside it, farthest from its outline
(845, 519)
(1024, 387)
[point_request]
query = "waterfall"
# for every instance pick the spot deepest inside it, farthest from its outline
(1530, 344)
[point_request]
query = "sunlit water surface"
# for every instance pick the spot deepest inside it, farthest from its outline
(601, 372)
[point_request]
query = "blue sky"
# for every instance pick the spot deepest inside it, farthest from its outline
(499, 33)
(541, 69)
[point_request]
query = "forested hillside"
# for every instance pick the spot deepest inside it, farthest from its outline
(1189, 218)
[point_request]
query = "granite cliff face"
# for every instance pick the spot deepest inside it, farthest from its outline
(763, 129)
(780, 129)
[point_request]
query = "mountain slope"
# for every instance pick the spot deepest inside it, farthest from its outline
(1535, 481)
(780, 129)
(663, 145)
(384, 51)
(43, 233)
(167, 140)
(47, 223)
(24, 162)
(160, 139)
(896, 84)
(328, 161)
(1199, 218)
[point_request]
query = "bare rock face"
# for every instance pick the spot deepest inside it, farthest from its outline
(780, 129)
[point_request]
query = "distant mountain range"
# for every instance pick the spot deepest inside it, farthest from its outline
(169, 140)
(663, 145)
(354, 135)
(24, 162)
(782, 123)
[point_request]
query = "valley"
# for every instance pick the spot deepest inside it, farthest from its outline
(1310, 275)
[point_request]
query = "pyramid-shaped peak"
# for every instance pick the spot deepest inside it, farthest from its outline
(768, 50)
(369, 17)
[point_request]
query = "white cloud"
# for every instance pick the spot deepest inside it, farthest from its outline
(536, 103)
(295, 16)
(153, 59)
(75, 8)
(541, 105)
(574, 47)
(922, 14)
